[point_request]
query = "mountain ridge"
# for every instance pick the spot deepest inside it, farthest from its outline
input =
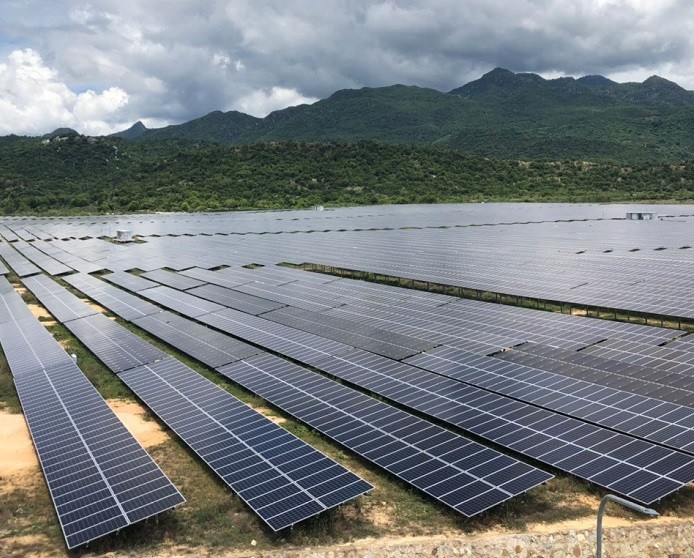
(501, 114)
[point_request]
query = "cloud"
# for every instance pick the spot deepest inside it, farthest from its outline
(33, 100)
(261, 103)
(180, 60)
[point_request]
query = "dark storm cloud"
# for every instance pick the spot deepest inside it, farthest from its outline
(172, 61)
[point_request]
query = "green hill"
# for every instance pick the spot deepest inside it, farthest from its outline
(502, 114)
(79, 174)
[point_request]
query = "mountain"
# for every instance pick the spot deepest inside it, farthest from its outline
(61, 132)
(222, 127)
(135, 131)
(502, 114)
(598, 82)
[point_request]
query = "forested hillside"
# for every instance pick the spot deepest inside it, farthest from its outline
(77, 174)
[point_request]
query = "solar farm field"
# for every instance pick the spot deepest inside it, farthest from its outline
(304, 378)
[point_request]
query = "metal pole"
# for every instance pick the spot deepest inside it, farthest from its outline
(626, 503)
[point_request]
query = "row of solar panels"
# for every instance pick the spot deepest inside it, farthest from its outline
(498, 259)
(279, 476)
(463, 474)
(629, 465)
(99, 477)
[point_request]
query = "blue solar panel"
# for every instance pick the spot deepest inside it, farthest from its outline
(462, 474)
(99, 477)
(283, 479)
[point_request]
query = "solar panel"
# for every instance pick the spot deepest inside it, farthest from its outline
(234, 299)
(283, 479)
(290, 295)
(462, 474)
(599, 455)
(19, 264)
(181, 302)
(640, 416)
(635, 468)
(641, 380)
(129, 281)
(115, 346)
(173, 280)
(44, 261)
(121, 303)
(99, 477)
(59, 302)
(206, 345)
(387, 343)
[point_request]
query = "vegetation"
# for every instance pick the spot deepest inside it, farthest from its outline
(502, 114)
(99, 175)
(504, 137)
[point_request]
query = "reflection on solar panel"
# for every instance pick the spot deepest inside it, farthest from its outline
(460, 473)
(283, 479)
(99, 477)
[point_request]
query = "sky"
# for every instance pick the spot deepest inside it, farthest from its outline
(100, 66)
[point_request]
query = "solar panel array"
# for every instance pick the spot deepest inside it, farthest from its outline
(280, 477)
(462, 474)
(121, 303)
(600, 370)
(19, 264)
(99, 477)
(283, 479)
(668, 424)
(608, 402)
(602, 456)
(456, 471)
(202, 343)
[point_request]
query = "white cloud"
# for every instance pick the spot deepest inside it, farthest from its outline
(261, 103)
(34, 101)
(180, 60)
